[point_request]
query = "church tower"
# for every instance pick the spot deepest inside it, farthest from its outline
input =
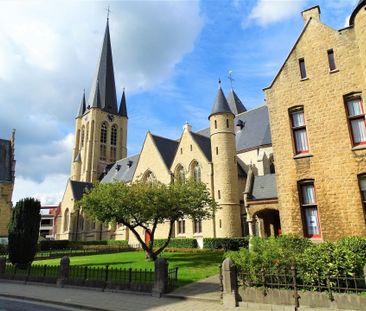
(101, 126)
(223, 148)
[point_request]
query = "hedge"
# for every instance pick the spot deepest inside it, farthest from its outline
(313, 260)
(232, 244)
(66, 244)
(177, 243)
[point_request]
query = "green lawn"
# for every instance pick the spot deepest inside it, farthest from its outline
(192, 266)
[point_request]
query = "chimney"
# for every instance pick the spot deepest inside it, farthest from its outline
(313, 12)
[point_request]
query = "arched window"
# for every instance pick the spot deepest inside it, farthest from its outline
(196, 171)
(103, 142)
(82, 136)
(66, 220)
(149, 177)
(113, 143)
(179, 174)
(81, 221)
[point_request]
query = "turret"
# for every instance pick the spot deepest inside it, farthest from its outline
(358, 21)
(223, 148)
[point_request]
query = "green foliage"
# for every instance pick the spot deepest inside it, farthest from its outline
(24, 232)
(66, 244)
(142, 206)
(3, 249)
(314, 261)
(231, 244)
(177, 243)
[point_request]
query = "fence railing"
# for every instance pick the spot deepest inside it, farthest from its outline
(99, 277)
(297, 281)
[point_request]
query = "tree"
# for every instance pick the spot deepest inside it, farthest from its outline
(24, 232)
(145, 205)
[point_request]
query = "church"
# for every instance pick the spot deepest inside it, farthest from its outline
(296, 164)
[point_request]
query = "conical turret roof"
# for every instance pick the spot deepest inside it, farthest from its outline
(220, 104)
(104, 80)
(235, 103)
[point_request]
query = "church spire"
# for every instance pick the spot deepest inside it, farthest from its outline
(122, 107)
(82, 106)
(104, 83)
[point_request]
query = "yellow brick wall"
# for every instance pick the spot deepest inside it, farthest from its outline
(333, 164)
(6, 191)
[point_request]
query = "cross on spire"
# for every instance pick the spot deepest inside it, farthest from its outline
(108, 11)
(231, 78)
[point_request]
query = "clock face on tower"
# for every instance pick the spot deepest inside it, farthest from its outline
(110, 117)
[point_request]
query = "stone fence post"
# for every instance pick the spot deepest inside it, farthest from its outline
(161, 277)
(2, 265)
(230, 284)
(63, 273)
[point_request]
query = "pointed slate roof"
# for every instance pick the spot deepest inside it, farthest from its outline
(79, 188)
(360, 4)
(204, 143)
(235, 103)
(82, 106)
(104, 83)
(264, 187)
(122, 107)
(122, 170)
(167, 148)
(220, 104)
(78, 158)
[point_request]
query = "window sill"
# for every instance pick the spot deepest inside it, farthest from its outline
(198, 235)
(333, 71)
(359, 147)
(304, 79)
(304, 155)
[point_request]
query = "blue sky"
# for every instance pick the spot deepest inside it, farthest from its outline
(168, 54)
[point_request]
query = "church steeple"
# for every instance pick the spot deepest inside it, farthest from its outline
(104, 80)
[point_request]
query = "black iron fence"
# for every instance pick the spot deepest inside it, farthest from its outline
(99, 277)
(296, 281)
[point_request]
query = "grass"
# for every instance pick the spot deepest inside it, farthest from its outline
(192, 266)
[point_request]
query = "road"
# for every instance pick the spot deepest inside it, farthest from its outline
(9, 304)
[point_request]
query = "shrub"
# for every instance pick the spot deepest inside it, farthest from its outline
(177, 243)
(66, 244)
(3, 249)
(232, 244)
(47, 245)
(191, 250)
(24, 232)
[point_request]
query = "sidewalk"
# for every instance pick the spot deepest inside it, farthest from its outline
(96, 300)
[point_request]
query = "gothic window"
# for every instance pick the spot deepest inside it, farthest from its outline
(149, 177)
(66, 220)
(103, 142)
(179, 174)
(82, 136)
(81, 222)
(196, 171)
(114, 135)
(181, 226)
(197, 226)
(103, 133)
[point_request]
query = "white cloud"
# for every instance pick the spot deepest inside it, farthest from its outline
(49, 191)
(48, 54)
(270, 11)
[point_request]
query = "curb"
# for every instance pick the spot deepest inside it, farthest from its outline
(175, 296)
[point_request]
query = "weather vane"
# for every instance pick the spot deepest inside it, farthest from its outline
(231, 78)
(108, 11)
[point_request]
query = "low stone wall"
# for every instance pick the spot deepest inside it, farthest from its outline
(306, 299)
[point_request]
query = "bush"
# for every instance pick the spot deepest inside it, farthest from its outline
(24, 232)
(314, 262)
(177, 243)
(47, 245)
(192, 250)
(232, 244)
(3, 249)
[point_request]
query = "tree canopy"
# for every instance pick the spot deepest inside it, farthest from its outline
(145, 205)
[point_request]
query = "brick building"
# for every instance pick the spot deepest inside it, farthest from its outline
(7, 177)
(317, 118)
